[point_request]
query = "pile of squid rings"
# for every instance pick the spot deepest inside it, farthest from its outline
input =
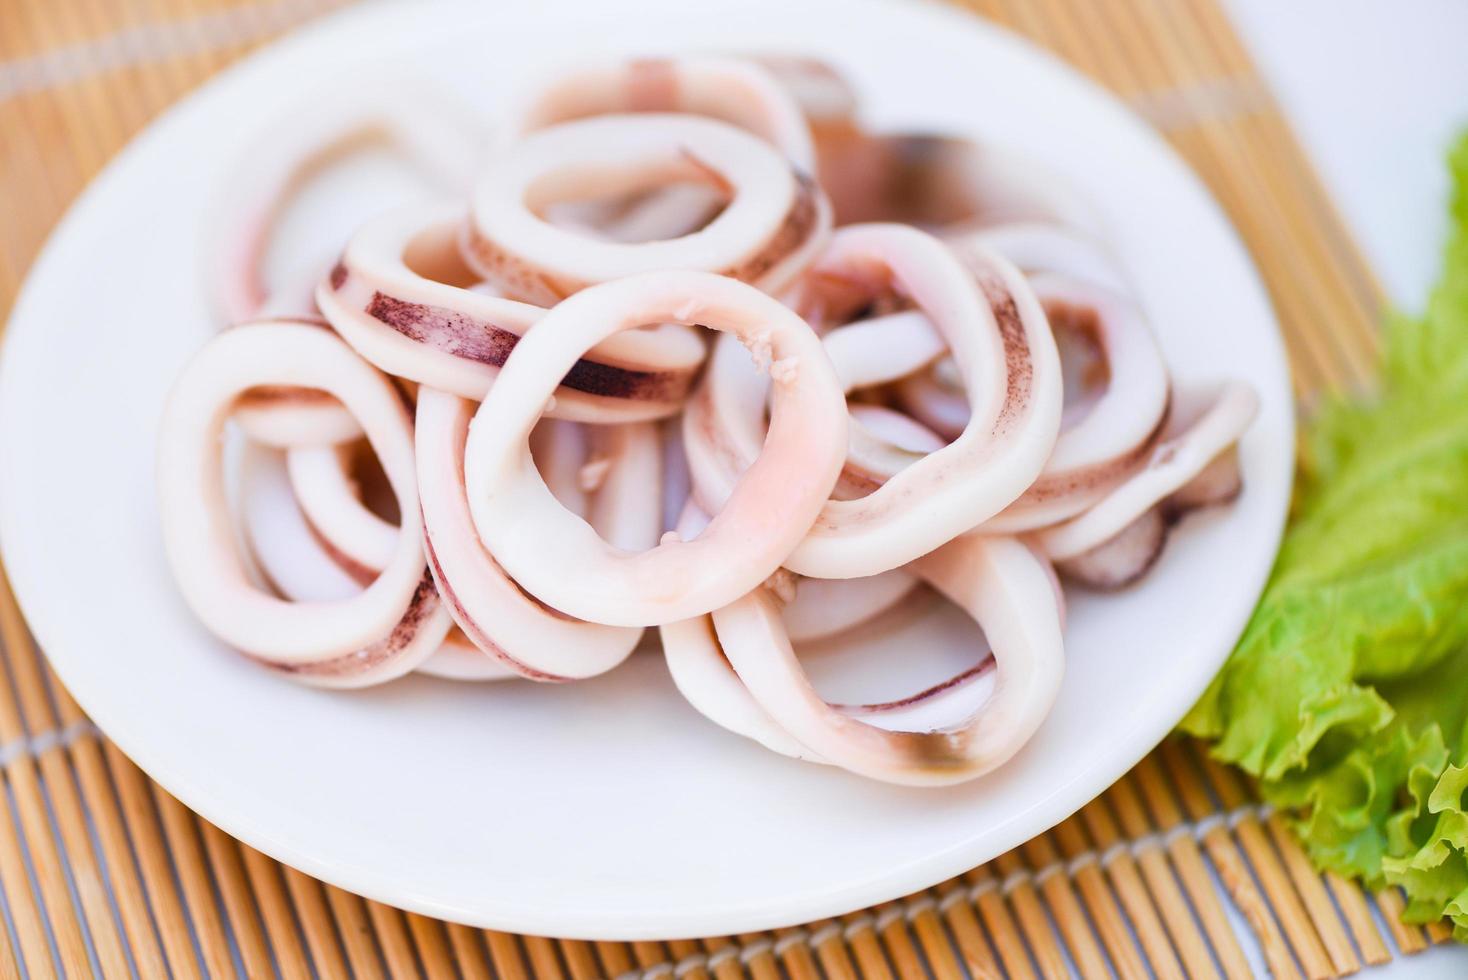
(701, 353)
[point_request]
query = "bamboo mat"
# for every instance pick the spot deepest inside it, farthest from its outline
(1174, 871)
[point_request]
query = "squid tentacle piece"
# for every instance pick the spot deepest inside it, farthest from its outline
(402, 296)
(557, 557)
(775, 221)
(395, 622)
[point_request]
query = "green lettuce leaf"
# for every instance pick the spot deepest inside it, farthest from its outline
(1348, 693)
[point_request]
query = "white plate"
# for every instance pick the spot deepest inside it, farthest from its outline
(606, 809)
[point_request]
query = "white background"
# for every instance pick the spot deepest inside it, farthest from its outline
(1377, 90)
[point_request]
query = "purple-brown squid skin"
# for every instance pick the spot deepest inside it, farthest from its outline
(424, 603)
(1127, 557)
(1123, 560)
(461, 335)
(473, 629)
(797, 228)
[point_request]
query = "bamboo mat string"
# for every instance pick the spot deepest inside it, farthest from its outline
(88, 877)
(832, 953)
(858, 929)
(723, 958)
(155, 865)
(25, 913)
(1120, 867)
(1235, 178)
(183, 836)
(1083, 867)
(100, 800)
(1016, 886)
(1230, 865)
(757, 955)
(1337, 314)
(693, 961)
(1187, 859)
(934, 942)
(890, 925)
(974, 950)
(46, 858)
(1269, 870)
(1275, 141)
(1146, 849)
(1047, 872)
(1004, 931)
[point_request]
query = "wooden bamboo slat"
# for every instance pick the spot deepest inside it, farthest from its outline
(102, 871)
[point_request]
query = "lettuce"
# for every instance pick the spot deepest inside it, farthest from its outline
(1347, 696)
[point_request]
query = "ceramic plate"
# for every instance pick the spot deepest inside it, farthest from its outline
(606, 809)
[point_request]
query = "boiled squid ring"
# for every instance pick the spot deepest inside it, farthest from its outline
(742, 93)
(400, 296)
(740, 669)
(280, 500)
(998, 335)
(385, 630)
(1117, 431)
(492, 610)
(1119, 537)
(557, 557)
(776, 219)
(442, 141)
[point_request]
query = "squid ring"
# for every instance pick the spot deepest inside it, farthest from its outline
(742, 93)
(624, 460)
(1001, 341)
(384, 629)
(399, 296)
(298, 558)
(1039, 246)
(774, 223)
(1191, 445)
(440, 138)
(487, 604)
(758, 687)
(557, 557)
(1112, 438)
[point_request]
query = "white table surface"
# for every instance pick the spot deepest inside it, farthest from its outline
(1377, 90)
